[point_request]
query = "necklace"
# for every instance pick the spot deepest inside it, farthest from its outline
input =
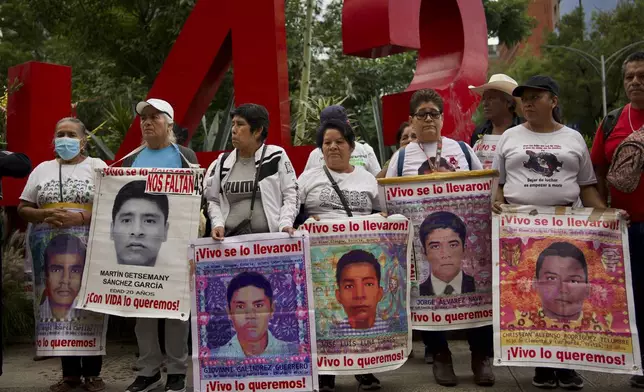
(437, 160)
(552, 134)
(60, 178)
(629, 119)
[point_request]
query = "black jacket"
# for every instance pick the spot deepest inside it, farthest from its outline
(467, 286)
(486, 129)
(16, 165)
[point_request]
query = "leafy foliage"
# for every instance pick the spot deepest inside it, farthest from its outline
(508, 20)
(117, 47)
(18, 312)
(579, 80)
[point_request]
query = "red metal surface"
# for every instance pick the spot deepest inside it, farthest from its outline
(450, 36)
(211, 39)
(451, 39)
(41, 97)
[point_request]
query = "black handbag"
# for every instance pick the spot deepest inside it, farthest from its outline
(245, 226)
(343, 200)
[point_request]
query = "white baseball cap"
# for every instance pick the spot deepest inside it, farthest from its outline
(158, 104)
(499, 82)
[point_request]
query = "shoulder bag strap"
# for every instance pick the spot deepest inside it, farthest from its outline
(466, 152)
(259, 168)
(339, 192)
(610, 121)
(401, 162)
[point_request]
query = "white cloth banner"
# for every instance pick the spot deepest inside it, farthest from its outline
(142, 223)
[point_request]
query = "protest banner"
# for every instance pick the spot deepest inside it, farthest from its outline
(142, 224)
(564, 290)
(361, 294)
(452, 257)
(485, 149)
(57, 257)
(251, 314)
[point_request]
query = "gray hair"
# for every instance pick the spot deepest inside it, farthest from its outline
(81, 127)
(172, 138)
(632, 58)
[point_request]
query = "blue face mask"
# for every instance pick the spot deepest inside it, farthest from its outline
(67, 148)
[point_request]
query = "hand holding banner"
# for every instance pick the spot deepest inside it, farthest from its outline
(452, 277)
(360, 285)
(58, 259)
(142, 223)
(252, 313)
(564, 284)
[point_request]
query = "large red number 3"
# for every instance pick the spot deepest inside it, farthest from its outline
(450, 36)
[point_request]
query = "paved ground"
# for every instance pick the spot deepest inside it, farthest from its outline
(22, 374)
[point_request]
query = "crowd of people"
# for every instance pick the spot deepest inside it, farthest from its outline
(254, 189)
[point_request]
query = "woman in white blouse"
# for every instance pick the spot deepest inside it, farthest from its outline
(57, 201)
(335, 191)
(359, 188)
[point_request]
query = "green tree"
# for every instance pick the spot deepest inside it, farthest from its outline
(117, 47)
(508, 20)
(579, 81)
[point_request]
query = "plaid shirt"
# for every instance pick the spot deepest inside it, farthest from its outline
(344, 329)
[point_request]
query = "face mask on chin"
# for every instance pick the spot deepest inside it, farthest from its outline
(67, 148)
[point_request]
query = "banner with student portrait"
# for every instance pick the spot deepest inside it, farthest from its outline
(451, 276)
(252, 314)
(360, 286)
(142, 223)
(564, 290)
(57, 257)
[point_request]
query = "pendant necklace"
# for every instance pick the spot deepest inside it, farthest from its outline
(437, 160)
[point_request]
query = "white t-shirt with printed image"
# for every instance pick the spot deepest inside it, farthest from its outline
(360, 189)
(415, 158)
(43, 188)
(544, 169)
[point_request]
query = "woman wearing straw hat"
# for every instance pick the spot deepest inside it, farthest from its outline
(500, 110)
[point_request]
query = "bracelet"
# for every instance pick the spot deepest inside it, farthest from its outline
(82, 217)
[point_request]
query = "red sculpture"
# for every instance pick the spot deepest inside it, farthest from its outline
(451, 39)
(450, 35)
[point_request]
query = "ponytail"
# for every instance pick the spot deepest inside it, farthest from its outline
(556, 114)
(556, 111)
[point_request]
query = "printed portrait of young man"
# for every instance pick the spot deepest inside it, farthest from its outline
(139, 225)
(442, 236)
(250, 308)
(359, 292)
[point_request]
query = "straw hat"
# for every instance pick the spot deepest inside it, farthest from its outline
(503, 83)
(499, 82)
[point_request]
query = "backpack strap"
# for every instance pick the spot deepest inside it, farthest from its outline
(466, 152)
(401, 161)
(221, 165)
(609, 122)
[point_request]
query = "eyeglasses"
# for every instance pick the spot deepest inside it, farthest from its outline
(424, 116)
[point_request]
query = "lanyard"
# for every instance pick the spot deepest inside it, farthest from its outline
(60, 181)
(437, 161)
